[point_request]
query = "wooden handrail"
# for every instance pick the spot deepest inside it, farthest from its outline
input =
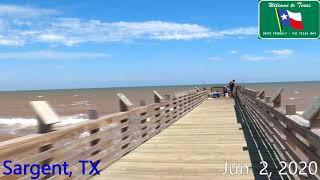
(294, 137)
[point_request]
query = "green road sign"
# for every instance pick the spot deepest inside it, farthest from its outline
(289, 19)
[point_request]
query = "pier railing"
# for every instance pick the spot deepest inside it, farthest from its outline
(295, 138)
(105, 138)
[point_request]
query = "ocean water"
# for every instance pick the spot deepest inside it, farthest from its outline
(17, 118)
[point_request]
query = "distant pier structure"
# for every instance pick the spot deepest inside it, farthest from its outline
(186, 135)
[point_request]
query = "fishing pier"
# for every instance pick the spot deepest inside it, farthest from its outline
(187, 135)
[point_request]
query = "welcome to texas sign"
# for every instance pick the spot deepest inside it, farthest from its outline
(289, 19)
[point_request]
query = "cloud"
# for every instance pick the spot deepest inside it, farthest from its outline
(10, 42)
(19, 27)
(24, 11)
(215, 58)
(241, 31)
(52, 55)
(75, 31)
(282, 52)
(249, 57)
(233, 52)
(277, 55)
(161, 30)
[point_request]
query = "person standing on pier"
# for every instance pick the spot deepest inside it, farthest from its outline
(231, 86)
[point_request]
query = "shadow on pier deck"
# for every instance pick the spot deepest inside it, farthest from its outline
(195, 147)
(259, 147)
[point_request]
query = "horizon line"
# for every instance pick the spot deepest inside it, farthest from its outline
(157, 86)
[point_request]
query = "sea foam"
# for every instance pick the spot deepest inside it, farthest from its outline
(33, 122)
(23, 126)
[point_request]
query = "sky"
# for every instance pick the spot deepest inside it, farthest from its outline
(59, 44)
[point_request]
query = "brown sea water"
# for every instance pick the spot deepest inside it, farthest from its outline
(104, 100)
(77, 101)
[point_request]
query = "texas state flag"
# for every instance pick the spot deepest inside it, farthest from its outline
(290, 19)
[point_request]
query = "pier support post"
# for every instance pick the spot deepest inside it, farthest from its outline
(93, 115)
(277, 98)
(46, 118)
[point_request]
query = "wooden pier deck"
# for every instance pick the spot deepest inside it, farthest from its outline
(197, 146)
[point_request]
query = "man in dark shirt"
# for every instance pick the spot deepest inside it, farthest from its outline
(231, 85)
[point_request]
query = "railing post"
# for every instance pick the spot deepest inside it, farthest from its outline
(197, 89)
(312, 113)
(46, 118)
(277, 99)
(169, 115)
(125, 103)
(261, 94)
(157, 97)
(93, 115)
(45, 115)
(157, 122)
